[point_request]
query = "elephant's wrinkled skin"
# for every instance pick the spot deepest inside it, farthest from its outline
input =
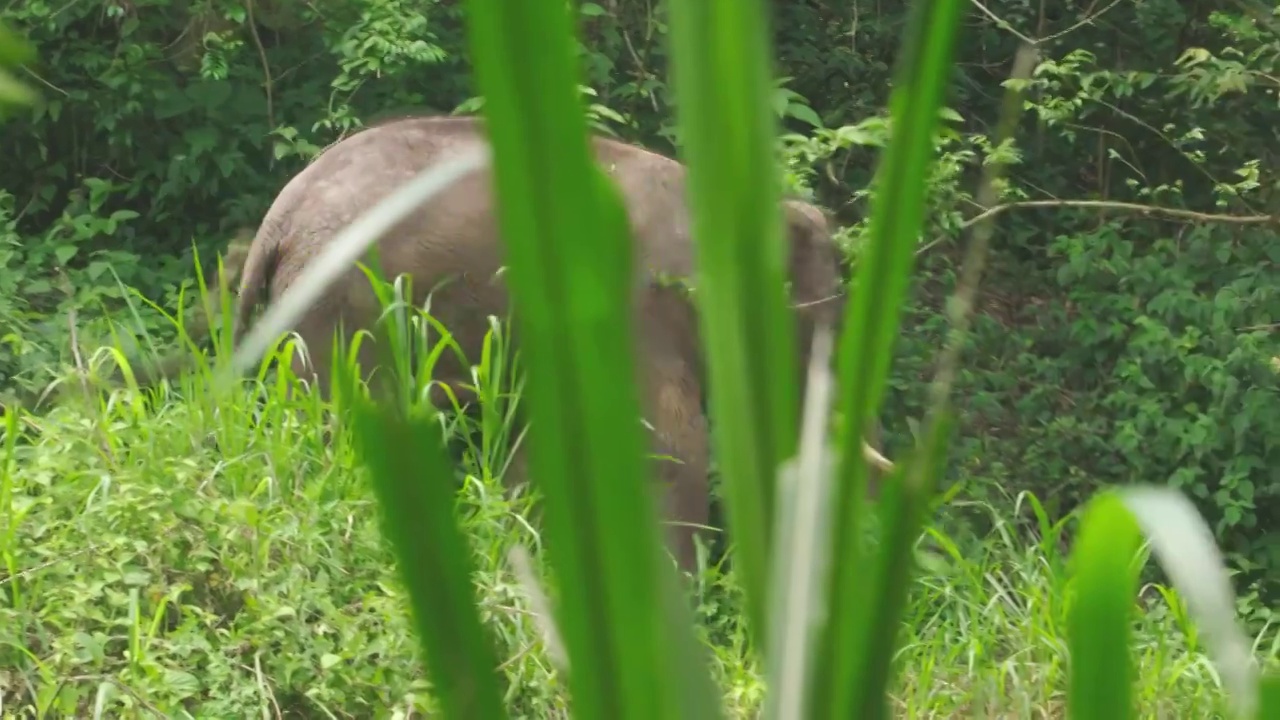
(455, 237)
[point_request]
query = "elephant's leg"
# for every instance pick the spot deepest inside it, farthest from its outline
(671, 402)
(673, 407)
(320, 330)
(320, 368)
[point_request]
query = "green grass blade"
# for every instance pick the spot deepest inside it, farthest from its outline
(844, 655)
(1105, 580)
(1184, 546)
(412, 479)
(1268, 697)
(903, 506)
(570, 275)
(722, 75)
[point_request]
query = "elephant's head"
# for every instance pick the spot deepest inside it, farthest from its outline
(816, 270)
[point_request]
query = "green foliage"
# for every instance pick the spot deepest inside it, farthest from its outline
(163, 573)
(1112, 345)
(163, 124)
(1122, 345)
(237, 536)
(566, 236)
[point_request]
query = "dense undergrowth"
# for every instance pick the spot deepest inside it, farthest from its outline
(224, 560)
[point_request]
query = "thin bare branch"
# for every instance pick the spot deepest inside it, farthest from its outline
(1126, 207)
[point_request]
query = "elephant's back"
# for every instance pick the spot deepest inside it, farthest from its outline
(359, 171)
(454, 238)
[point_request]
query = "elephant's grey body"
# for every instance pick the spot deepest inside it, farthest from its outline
(455, 238)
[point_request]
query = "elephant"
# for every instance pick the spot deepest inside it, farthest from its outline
(455, 237)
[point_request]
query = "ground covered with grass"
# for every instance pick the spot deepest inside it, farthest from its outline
(206, 557)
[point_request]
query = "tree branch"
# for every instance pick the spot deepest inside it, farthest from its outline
(1127, 207)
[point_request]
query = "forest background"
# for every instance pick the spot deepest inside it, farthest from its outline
(1127, 324)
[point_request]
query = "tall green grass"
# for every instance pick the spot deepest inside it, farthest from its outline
(827, 631)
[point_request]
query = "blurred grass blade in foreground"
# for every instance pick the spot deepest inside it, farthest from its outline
(1105, 577)
(861, 628)
(398, 439)
(1268, 698)
(803, 537)
(1184, 546)
(626, 632)
(1105, 581)
(413, 481)
(14, 51)
(722, 76)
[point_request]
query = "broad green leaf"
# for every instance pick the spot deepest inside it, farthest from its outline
(13, 49)
(14, 92)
